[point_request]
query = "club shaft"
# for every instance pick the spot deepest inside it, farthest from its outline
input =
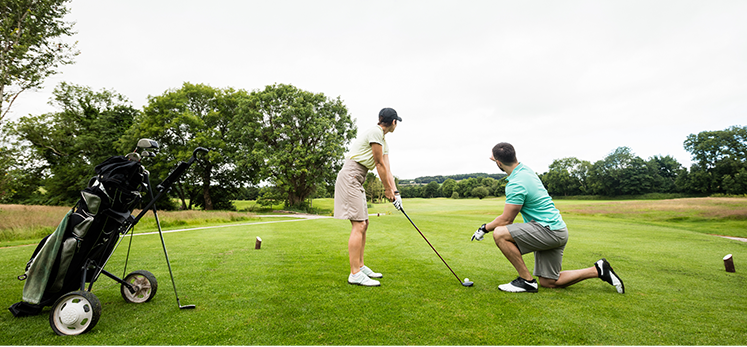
(429, 244)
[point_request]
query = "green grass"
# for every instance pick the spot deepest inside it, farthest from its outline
(294, 292)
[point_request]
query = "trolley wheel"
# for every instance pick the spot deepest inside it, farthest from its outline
(145, 285)
(75, 313)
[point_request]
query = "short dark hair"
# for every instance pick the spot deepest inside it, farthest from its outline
(505, 153)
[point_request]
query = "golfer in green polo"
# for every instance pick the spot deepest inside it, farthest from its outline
(543, 232)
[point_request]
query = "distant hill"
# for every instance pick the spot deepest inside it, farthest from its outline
(440, 179)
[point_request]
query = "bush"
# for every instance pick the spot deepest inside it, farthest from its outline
(455, 195)
(480, 192)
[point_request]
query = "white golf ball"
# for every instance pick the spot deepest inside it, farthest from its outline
(466, 279)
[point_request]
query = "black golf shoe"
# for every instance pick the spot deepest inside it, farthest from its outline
(520, 285)
(608, 275)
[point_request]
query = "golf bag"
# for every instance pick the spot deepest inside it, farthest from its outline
(78, 250)
(85, 238)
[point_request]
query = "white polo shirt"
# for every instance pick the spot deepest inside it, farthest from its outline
(361, 150)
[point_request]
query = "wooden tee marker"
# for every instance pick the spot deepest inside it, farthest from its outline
(258, 244)
(729, 263)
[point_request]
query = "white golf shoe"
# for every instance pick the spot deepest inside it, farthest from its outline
(362, 280)
(366, 270)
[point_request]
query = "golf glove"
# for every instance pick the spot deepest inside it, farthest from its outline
(397, 202)
(479, 233)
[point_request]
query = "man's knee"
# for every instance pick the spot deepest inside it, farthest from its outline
(502, 234)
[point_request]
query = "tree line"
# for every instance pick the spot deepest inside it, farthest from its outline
(719, 168)
(288, 138)
(441, 179)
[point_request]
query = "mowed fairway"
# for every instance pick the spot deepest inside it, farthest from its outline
(294, 291)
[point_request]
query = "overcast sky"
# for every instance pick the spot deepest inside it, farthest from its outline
(554, 78)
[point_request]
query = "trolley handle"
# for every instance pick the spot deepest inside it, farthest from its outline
(180, 169)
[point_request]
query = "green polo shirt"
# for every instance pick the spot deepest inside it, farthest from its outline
(525, 188)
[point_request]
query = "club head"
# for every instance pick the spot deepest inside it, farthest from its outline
(147, 143)
(186, 307)
(146, 154)
(133, 156)
(467, 283)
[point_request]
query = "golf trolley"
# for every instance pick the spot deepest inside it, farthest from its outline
(77, 252)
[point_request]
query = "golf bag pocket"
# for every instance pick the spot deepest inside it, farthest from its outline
(67, 251)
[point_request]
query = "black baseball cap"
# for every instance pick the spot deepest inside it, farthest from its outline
(388, 114)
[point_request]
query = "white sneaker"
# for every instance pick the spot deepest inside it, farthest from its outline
(370, 273)
(362, 280)
(520, 285)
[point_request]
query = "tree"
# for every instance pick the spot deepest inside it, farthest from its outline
(605, 174)
(411, 191)
(480, 192)
(31, 45)
(431, 190)
(447, 188)
(665, 170)
(195, 115)
(67, 145)
(736, 184)
(566, 176)
(720, 154)
(301, 137)
(465, 186)
(373, 187)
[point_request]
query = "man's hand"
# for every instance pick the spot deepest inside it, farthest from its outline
(397, 202)
(479, 233)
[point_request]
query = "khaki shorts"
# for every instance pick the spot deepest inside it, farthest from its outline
(350, 197)
(548, 246)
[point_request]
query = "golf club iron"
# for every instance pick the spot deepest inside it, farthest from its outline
(164, 187)
(173, 283)
(465, 283)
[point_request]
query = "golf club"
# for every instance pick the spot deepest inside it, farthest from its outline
(163, 188)
(467, 282)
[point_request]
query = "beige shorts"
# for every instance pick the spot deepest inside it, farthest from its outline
(350, 197)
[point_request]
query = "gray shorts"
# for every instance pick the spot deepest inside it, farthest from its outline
(547, 245)
(350, 197)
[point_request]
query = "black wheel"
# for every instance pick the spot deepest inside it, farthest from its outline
(145, 285)
(75, 313)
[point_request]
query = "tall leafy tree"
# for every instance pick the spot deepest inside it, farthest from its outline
(302, 137)
(566, 176)
(180, 120)
(66, 146)
(719, 154)
(32, 45)
(605, 175)
(665, 169)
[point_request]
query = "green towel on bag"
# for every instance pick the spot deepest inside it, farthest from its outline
(40, 269)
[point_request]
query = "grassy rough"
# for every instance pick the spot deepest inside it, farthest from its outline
(294, 292)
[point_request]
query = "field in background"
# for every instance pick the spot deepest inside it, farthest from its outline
(720, 216)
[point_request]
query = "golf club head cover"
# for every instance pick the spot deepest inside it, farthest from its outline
(481, 231)
(397, 202)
